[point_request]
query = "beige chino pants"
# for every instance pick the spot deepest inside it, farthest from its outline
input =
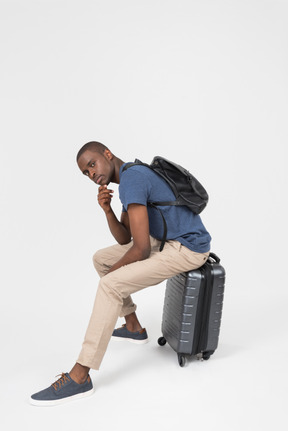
(113, 295)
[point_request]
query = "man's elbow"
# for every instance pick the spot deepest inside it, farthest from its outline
(140, 252)
(145, 253)
(124, 241)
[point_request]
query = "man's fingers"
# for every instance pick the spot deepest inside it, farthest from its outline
(103, 189)
(105, 199)
(105, 194)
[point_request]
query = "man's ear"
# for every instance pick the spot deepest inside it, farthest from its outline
(108, 154)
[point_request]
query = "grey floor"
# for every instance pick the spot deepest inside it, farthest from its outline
(242, 387)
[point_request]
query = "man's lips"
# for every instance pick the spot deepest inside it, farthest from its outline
(98, 179)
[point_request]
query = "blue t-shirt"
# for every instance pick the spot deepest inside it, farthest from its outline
(140, 185)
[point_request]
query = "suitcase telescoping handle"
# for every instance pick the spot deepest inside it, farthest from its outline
(214, 257)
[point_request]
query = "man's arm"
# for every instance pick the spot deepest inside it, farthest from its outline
(119, 229)
(139, 227)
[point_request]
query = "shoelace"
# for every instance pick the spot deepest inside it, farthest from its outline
(60, 382)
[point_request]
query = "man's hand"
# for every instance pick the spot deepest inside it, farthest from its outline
(104, 198)
(119, 229)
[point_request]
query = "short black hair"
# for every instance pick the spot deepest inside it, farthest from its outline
(93, 146)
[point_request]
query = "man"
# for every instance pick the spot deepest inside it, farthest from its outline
(132, 264)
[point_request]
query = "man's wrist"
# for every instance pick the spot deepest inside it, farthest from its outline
(108, 212)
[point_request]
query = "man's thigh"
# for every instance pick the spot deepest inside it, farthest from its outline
(104, 258)
(172, 260)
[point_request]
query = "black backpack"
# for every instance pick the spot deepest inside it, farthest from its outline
(186, 188)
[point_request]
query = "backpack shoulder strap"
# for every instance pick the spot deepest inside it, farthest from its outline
(137, 162)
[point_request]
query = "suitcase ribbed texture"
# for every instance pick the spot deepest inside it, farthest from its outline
(193, 308)
(180, 310)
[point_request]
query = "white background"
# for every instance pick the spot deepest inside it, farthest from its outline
(201, 82)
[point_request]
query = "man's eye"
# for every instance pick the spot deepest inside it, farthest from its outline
(92, 165)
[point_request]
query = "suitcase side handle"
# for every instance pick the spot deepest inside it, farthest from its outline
(214, 257)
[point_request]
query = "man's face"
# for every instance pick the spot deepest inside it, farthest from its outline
(98, 167)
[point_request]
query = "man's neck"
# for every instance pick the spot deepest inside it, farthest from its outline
(118, 164)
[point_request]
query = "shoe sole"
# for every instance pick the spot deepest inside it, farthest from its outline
(131, 340)
(46, 403)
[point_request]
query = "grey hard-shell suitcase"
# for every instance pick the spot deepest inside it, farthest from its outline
(192, 310)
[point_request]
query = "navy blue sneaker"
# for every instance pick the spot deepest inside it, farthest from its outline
(139, 337)
(63, 390)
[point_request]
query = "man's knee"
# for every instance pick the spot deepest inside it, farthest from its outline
(99, 262)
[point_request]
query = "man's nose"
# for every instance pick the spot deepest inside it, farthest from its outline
(91, 173)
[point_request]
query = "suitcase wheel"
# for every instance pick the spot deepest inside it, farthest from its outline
(161, 341)
(206, 355)
(181, 360)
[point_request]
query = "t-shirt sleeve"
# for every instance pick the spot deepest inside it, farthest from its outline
(134, 188)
